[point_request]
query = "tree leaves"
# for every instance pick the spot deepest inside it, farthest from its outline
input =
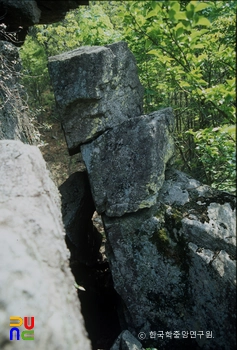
(187, 69)
(199, 6)
(215, 148)
(179, 29)
(202, 21)
(154, 12)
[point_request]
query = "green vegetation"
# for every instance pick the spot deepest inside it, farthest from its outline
(185, 51)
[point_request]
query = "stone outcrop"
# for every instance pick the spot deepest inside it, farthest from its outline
(126, 164)
(170, 239)
(18, 15)
(95, 89)
(14, 116)
(35, 278)
(181, 259)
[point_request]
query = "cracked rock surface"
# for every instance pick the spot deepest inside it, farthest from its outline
(35, 277)
(170, 239)
(96, 88)
(126, 165)
(174, 264)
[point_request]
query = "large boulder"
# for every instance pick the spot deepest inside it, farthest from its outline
(14, 116)
(18, 15)
(126, 165)
(35, 278)
(174, 266)
(95, 88)
(170, 241)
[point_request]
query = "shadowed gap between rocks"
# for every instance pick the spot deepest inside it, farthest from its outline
(85, 240)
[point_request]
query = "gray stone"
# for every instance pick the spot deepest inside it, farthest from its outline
(208, 222)
(126, 165)
(18, 15)
(217, 232)
(27, 10)
(77, 211)
(225, 266)
(35, 276)
(55, 11)
(126, 341)
(14, 115)
(96, 88)
(176, 195)
(174, 265)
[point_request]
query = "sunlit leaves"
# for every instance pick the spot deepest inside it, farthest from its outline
(199, 6)
(202, 21)
(179, 29)
(215, 148)
(180, 16)
(190, 65)
(154, 12)
(175, 6)
(84, 26)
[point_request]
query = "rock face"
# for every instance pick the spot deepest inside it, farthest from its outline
(170, 239)
(126, 164)
(77, 210)
(126, 341)
(14, 117)
(95, 88)
(35, 277)
(174, 265)
(18, 15)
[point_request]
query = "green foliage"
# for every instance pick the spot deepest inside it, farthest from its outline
(83, 26)
(185, 51)
(186, 57)
(216, 152)
(35, 77)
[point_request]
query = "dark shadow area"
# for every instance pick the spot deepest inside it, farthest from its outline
(85, 238)
(99, 301)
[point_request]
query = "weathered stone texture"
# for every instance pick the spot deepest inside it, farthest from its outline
(174, 264)
(126, 164)
(28, 11)
(126, 341)
(170, 240)
(35, 278)
(96, 88)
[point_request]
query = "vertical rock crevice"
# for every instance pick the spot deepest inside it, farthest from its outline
(85, 239)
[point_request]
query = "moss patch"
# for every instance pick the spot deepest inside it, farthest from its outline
(160, 239)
